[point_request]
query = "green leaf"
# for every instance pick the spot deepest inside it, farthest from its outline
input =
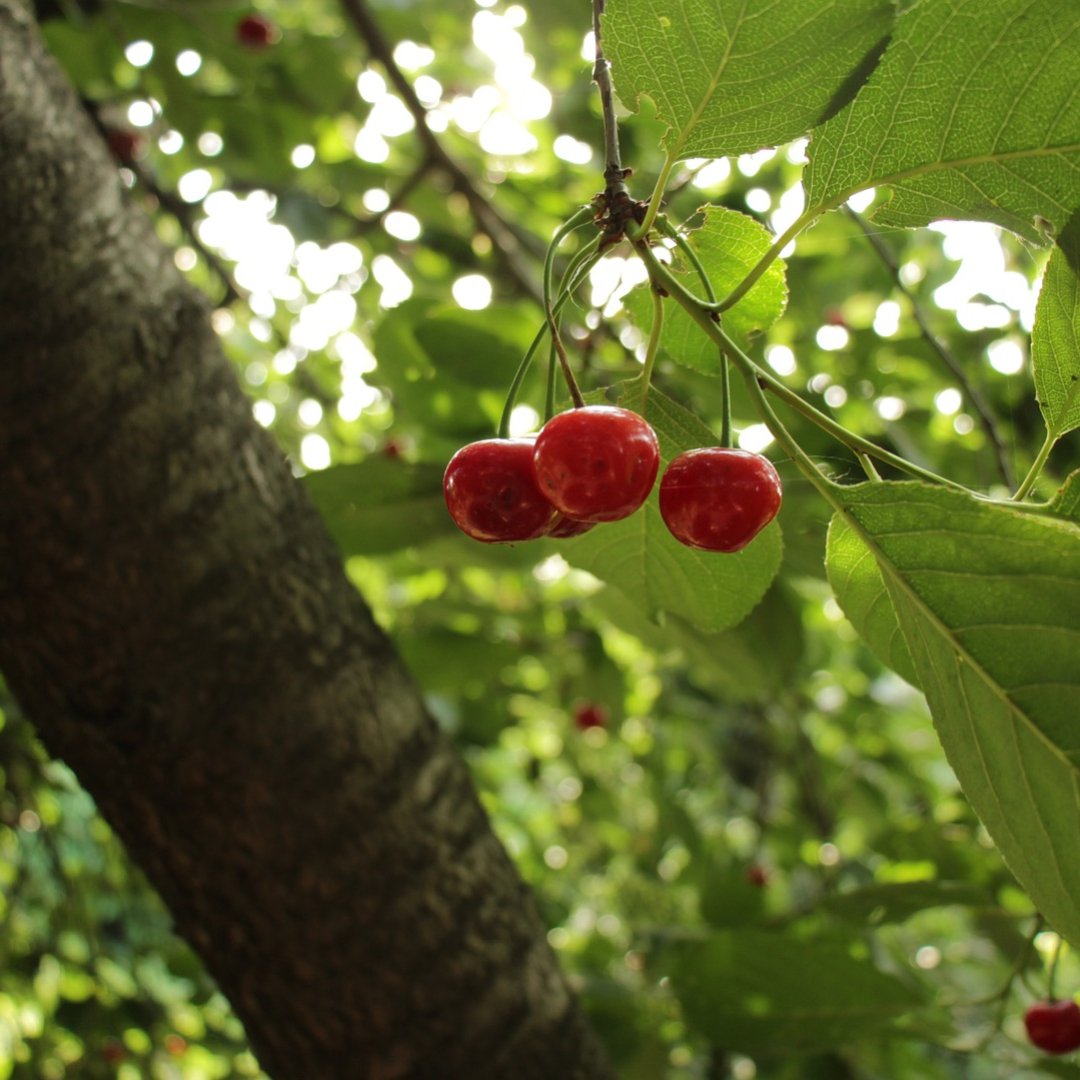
(729, 245)
(860, 591)
(756, 992)
(988, 599)
(479, 348)
(1066, 502)
(380, 504)
(1055, 340)
(972, 113)
(896, 901)
(639, 556)
(730, 78)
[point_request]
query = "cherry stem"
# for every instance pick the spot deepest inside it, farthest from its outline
(706, 283)
(653, 346)
(581, 263)
(1036, 467)
(706, 320)
(1052, 976)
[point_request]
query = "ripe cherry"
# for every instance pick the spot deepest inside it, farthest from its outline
(491, 492)
(256, 31)
(124, 144)
(719, 499)
(1054, 1026)
(757, 875)
(588, 714)
(597, 463)
(564, 527)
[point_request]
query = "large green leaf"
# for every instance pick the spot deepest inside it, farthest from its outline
(732, 77)
(859, 589)
(380, 504)
(895, 901)
(972, 113)
(1055, 340)
(758, 992)
(729, 245)
(988, 599)
(638, 555)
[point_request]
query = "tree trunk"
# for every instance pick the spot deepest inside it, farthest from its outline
(177, 624)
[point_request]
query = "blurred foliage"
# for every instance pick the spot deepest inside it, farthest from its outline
(767, 821)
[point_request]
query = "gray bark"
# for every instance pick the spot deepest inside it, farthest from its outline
(176, 623)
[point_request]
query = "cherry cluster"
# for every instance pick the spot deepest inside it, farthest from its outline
(598, 463)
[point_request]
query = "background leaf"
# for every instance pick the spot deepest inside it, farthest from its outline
(988, 599)
(729, 244)
(750, 991)
(1055, 339)
(639, 556)
(972, 113)
(731, 78)
(380, 504)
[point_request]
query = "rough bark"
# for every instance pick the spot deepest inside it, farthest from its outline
(176, 623)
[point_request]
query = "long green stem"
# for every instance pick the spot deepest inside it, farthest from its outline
(767, 259)
(710, 294)
(653, 346)
(579, 267)
(659, 273)
(1036, 467)
(658, 194)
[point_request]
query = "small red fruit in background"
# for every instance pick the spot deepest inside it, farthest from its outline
(1054, 1026)
(718, 499)
(757, 875)
(491, 492)
(597, 463)
(588, 714)
(113, 1052)
(392, 448)
(124, 144)
(175, 1045)
(256, 31)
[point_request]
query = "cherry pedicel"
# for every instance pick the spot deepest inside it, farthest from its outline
(597, 462)
(1054, 1026)
(718, 499)
(492, 495)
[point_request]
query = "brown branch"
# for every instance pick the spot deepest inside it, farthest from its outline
(505, 241)
(974, 396)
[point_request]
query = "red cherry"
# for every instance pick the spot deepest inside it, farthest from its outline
(718, 499)
(124, 144)
(392, 448)
(491, 492)
(256, 31)
(564, 527)
(589, 715)
(757, 875)
(597, 463)
(113, 1052)
(1054, 1026)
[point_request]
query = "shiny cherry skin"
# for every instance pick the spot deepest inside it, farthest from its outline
(1054, 1026)
(256, 31)
(492, 495)
(597, 463)
(718, 499)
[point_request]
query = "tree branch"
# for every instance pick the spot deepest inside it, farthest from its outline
(505, 242)
(974, 396)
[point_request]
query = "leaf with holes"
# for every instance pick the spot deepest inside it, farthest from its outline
(988, 599)
(1055, 339)
(730, 78)
(639, 556)
(972, 113)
